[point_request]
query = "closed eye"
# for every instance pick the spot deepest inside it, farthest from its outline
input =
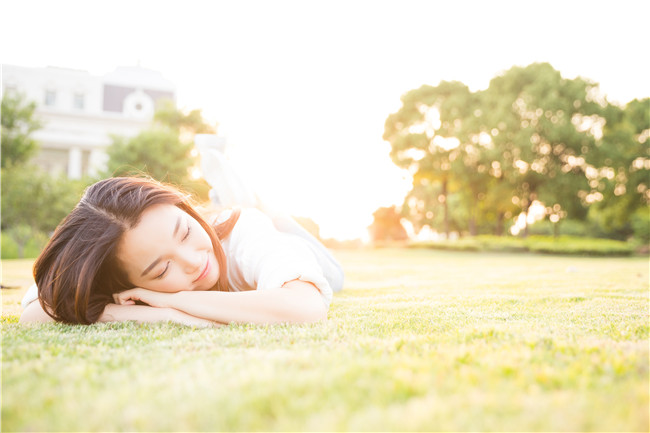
(162, 274)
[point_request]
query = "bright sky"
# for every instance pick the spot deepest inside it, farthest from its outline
(301, 89)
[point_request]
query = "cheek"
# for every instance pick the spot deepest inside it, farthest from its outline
(167, 285)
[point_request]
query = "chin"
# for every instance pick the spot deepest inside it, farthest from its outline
(209, 285)
(209, 282)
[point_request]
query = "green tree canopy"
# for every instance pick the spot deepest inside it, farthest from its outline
(18, 123)
(33, 202)
(531, 114)
(479, 157)
(162, 151)
(427, 135)
(157, 151)
(619, 175)
(34, 198)
(185, 123)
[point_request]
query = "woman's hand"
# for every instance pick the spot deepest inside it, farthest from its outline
(149, 297)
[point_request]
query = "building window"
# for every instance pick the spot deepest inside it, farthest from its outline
(79, 101)
(50, 98)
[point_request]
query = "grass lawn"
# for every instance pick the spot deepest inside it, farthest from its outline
(417, 340)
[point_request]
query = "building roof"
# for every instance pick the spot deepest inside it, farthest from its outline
(130, 76)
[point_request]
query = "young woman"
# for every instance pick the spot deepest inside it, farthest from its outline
(135, 249)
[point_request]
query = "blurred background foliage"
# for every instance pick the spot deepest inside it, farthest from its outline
(479, 161)
(34, 202)
(164, 151)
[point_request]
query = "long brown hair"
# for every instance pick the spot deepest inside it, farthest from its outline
(77, 272)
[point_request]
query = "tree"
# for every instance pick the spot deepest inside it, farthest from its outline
(33, 202)
(619, 175)
(387, 226)
(156, 151)
(497, 150)
(426, 135)
(18, 147)
(31, 199)
(163, 150)
(184, 123)
(18, 123)
(534, 117)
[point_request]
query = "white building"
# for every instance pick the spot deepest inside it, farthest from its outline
(79, 112)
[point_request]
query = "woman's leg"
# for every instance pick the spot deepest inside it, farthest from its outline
(229, 189)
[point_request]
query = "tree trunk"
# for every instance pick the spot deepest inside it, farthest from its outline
(473, 231)
(526, 208)
(445, 208)
(499, 229)
(472, 226)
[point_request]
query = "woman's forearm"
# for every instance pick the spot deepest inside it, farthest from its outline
(122, 313)
(295, 302)
(147, 314)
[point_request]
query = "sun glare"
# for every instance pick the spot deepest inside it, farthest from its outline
(536, 212)
(196, 173)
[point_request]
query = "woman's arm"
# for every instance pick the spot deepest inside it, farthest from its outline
(147, 314)
(295, 302)
(34, 313)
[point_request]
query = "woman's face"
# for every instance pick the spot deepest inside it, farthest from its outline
(168, 251)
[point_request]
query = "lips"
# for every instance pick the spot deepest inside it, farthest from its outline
(206, 269)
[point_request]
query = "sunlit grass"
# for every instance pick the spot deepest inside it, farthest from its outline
(417, 340)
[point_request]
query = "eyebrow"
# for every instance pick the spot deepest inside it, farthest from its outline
(178, 224)
(155, 262)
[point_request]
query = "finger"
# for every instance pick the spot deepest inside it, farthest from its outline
(122, 299)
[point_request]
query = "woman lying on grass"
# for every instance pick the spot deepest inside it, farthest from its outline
(135, 249)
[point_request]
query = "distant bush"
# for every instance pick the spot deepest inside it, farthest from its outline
(537, 244)
(10, 248)
(641, 225)
(578, 245)
(501, 243)
(564, 227)
(463, 244)
(477, 243)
